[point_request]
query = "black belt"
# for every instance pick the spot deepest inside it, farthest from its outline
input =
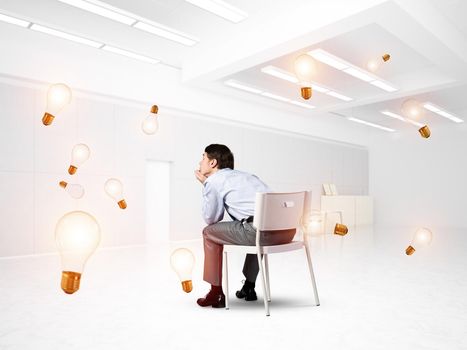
(248, 219)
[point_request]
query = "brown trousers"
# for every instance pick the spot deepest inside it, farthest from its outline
(239, 233)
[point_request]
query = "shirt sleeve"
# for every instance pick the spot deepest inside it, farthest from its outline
(213, 204)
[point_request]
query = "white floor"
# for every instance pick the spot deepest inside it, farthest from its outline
(372, 295)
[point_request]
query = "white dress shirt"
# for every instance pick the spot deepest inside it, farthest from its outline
(233, 190)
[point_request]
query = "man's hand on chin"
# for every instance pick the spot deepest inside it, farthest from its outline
(201, 178)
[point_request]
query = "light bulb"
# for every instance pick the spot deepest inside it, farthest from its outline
(150, 125)
(114, 188)
(305, 68)
(374, 63)
(79, 155)
(341, 229)
(77, 235)
(421, 238)
(182, 261)
(412, 109)
(315, 224)
(74, 190)
(58, 96)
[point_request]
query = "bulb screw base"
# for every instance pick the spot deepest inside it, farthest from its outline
(154, 109)
(72, 170)
(187, 286)
(63, 184)
(47, 119)
(122, 204)
(386, 57)
(410, 250)
(70, 281)
(425, 131)
(341, 230)
(306, 92)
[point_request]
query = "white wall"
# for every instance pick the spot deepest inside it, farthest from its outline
(34, 158)
(420, 182)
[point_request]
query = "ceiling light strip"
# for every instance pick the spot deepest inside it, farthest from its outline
(14, 20)
(435, 109)
(105, 10)
(241, 86)
(285, 75)
(221, 8)
(401, 118)
(88, 42)
(67, 36)
(238, 85)
(346, 67)
(130, 54)
(101, 9)
(356, 120)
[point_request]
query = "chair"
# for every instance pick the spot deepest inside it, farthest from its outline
(275, 211)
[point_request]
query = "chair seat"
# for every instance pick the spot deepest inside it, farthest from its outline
(270, 249)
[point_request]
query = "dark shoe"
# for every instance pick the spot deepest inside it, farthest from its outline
(247, 292)
(211, 299)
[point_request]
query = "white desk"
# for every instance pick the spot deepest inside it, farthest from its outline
(356, 210)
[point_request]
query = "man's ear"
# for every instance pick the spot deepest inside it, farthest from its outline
(213, 163)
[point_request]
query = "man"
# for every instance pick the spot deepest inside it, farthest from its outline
(234, 191)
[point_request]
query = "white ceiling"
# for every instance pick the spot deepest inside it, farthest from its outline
(427, 40)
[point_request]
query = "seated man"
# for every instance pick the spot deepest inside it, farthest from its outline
(234, 191)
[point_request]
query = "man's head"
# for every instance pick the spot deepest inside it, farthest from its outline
(216, 157)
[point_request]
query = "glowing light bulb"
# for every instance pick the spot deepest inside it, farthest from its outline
(421, 238)
(114, 188)
(150, 125)
(79, 155)
(374, 63)
(412, 109)
(58, 96)
(305, 68)
(77, 235)
(182, 261)
(74, 190)
(314, 225)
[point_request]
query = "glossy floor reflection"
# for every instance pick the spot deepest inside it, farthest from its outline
(372, 295)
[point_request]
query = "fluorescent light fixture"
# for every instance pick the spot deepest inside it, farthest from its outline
(101, 9)
(166, 32)
(285, 75)
(279, 73)
(393, 115)
(130, 54)
(339, 96)
(105, 10)
(241, 86)
(431, 107)
(435, 109)
(406, 120)
(384, 86)
(276, 97)
(328, 59)
(357, 73)
(370, 124)
(221, 9)
(301, 104)
(13, 20)
(346, 67)
(319, 88)
(67, 36)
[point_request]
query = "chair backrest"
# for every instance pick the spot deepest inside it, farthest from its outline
(279, 210)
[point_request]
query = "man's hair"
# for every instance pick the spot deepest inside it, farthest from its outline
(221, 153)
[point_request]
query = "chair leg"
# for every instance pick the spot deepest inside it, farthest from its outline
(266, 267)
(312, 275)
(261, 270)
(226, 281)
